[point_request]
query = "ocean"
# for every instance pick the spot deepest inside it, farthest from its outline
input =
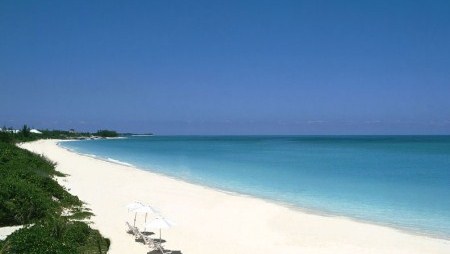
(399, 181)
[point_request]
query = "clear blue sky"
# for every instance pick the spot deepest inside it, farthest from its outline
(227, 67)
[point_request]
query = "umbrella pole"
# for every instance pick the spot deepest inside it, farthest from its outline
(145, 218)
(134, 223)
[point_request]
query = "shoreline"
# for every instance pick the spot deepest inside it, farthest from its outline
(288, 205)
(265, 219)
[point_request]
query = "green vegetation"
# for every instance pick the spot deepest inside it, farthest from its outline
(25, 135)
(106, 134)
(58, 134)
(56, 236)
(6, 137)
(30, 196)
(28, 191)
(26, 131)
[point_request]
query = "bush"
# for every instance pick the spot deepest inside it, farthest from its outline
(30, 196)
(28, 191)
(6, 137)
(23, 203)
(55, 236)
(26, 135)
(106, 133)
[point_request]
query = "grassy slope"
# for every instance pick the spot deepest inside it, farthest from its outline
(30, 196)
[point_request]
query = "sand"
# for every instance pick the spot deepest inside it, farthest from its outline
(6, 231)
(211, 221)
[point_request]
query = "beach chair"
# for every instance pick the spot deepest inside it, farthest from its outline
(147, 240)
(133, 230)
(130, 228)
(162, 250)
(154, 244)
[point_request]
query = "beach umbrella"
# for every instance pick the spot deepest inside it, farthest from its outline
(145, 209)
(159, 222)
(133, 206)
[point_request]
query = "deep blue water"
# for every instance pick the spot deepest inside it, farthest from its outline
(403, 181)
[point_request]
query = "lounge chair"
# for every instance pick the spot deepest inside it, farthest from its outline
(147, 239)
(133, 230)
(163, 251)
(154, 244)
(130, 228)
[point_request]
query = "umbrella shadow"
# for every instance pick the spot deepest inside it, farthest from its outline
(140, 240)
(159, 252)
(159, 240)
(147, 233)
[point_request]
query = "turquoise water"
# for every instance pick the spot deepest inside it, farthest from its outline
(402, 181)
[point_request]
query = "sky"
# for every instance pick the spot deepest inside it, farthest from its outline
(227, 67)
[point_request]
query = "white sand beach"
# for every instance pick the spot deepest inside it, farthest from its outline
(209, 221)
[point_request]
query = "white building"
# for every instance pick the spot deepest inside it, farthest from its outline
(10, 131)
(35, 131)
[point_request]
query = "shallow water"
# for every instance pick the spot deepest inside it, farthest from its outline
(403, 181)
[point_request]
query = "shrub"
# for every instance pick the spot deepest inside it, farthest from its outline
(106, 133)
(28, 191)
(55, 235)
(29, 195)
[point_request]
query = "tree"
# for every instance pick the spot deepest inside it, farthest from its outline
(106, 133)
(26, 131)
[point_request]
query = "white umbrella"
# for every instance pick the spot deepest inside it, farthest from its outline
(145, 209)
(133, 206)
(159, 222)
